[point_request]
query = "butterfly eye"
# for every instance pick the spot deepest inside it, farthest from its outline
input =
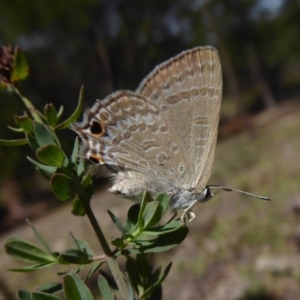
(96, 128)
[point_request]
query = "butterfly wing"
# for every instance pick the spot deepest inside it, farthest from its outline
(188, 90)
(128, 134)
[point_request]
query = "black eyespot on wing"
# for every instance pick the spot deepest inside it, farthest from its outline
(94, 159)
(96, 128)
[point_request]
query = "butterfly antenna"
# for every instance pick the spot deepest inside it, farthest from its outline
(227, 189)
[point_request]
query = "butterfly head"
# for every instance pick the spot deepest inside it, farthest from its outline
(184, 198)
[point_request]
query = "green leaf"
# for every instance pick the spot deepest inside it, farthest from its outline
(50, 288)
(162, 243)
(105, 289)
(75, 114)
(51, 155)
(145, 200)
(87, 180)
(75, 289)
(118, 242)
(164, 201)
(75, 151)
(36, 115)
(48, 169)
(40, 238)
(132, 218)
(150, 290)
(20, 68)
(26, 251)
(130, 293)
(50, 114)
(25, 123)
(169, 227)
(88, 184)
(169, 240)
(18, 130)
(44, 296)
(111, 279)
(75, 256)
(77, 271)
(24, 295)
(143, 262)
(17, 120)
(84, 246)
(77, 207)
(32, 142)
(80, 168)
(13, 143)
(152, 214)
(153, 276)
(60, 112)
(62, 262)
(133, 272)
(33, 267)
(117, 223)
(94, 268)
(63, 186)
(44, 134)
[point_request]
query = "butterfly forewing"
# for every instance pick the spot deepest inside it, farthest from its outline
(188, 90)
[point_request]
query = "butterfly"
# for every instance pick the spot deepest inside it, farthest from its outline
(161, 137)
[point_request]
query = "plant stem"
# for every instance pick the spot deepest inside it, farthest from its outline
(29, 106)
(96, 227)
(111, 260)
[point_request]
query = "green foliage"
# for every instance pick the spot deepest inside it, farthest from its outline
(51, 155)
(26, 251)
(143, 234)
(51, 115)
(142, 277)
(105, 289)
(149, 214)
(44, 296)
(75, 289)
(20, 69)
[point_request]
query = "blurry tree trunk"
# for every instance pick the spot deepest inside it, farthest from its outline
(258, 78)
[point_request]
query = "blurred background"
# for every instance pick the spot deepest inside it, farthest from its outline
(238, 247)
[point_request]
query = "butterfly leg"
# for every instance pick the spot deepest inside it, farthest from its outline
(189, 212)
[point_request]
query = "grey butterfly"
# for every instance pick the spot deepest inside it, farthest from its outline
(162, 137)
